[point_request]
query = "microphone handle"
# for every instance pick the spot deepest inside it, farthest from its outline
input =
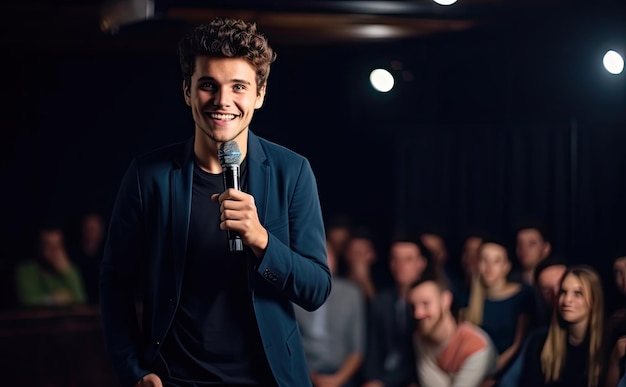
(230, 172)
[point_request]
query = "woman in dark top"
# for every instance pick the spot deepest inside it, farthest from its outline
(500, 307)
(570, 354)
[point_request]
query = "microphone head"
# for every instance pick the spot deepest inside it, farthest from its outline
(229, 153)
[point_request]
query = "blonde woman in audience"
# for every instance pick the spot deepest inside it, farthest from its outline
(500, 307)
(571, 353)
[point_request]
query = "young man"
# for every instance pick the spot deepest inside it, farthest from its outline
(211, 316)
(448, 353)
(51, 279)
(390, 356)
(532, 246)
(333, 336)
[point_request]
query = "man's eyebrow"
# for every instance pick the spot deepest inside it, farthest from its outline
(235, 80)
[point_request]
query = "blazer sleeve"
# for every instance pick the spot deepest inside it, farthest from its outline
(297, 266)
(118, 276)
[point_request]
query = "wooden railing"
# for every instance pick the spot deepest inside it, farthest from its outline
(60, 347)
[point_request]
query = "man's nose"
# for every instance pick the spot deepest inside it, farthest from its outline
(221, 97)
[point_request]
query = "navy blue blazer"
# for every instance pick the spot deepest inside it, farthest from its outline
(146, 248)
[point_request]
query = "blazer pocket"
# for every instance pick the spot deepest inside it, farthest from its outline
(293, 342)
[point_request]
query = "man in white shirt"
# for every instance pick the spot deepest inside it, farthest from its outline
(448, 354)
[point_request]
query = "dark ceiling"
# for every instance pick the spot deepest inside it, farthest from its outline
(91, 26)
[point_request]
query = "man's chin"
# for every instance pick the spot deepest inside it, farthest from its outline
(423, 331)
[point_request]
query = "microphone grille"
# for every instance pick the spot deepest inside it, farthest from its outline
(229, 153)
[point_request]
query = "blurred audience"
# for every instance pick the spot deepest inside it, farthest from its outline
(435, 241)
(87, 252)
(390, 356)
(469, 257)
(447, 353)
(547, 283)
(333, 336)
(338, 233)
(532, 246)
(49, 279)
(360, 256)
(548, 276)
(502, 308)
(572, 352)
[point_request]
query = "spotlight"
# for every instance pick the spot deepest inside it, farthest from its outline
(445, 2)
(613, 62)
(381, 80)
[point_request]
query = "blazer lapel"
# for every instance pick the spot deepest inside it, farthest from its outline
(181, 180)
(258, 175)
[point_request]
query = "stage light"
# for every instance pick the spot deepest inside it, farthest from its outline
(381, 80)
(613, 62)
(445, 2)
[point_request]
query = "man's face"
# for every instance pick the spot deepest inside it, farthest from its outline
(360, 251)
(549, 283)
(619, 273)
(531, 248)
(469, 257)
(338, 237)
(93, 229)
(429, 307)
(437, 247)
(51, 245)
(223, 96)
(406, 263)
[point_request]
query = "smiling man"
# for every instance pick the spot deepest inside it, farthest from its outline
(448, 354)
(210, 316)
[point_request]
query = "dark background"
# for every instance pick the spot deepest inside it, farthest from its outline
(511, 118)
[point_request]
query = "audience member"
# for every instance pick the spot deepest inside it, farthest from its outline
(88, 251)
(532, 246)
(360, 256)
(447, 353)
(333, 335)
(435, 241)
(547, 276)
(547, 280)
(50, 279)
(616, 324)
(571, 353)
(615, 369)
(468, 264)
(390, 356)
(469, 256)
(338, 234)
(500, 307)
(617, 316)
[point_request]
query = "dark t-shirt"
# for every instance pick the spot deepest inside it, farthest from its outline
(573, 374)
(214, 337)
(500, 317)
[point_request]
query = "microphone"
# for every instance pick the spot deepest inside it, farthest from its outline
(229, 157)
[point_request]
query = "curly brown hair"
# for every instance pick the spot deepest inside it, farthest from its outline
(226, 38)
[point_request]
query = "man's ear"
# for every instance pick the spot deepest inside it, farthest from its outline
(446, 299)
(186, 93)
(260, 97)
(547, 248)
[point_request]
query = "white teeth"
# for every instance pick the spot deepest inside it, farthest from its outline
(223, 117)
